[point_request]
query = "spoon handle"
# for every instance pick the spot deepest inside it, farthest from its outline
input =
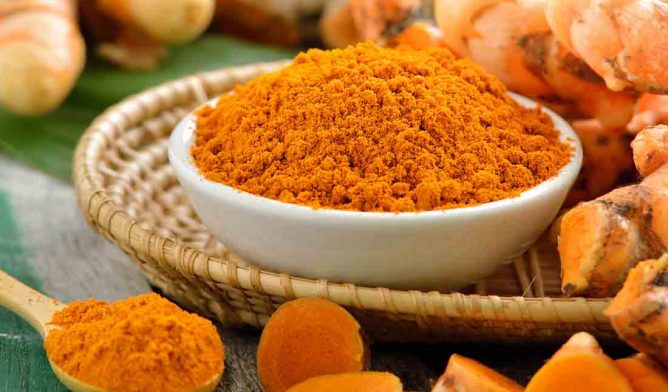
(36, 308)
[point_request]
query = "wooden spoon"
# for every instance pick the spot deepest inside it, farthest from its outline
(38, 309)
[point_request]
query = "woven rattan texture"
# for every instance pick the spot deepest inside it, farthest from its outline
(129, 194)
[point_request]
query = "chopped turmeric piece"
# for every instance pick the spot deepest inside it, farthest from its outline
(309, 337)
(602, 239)
(466, 375)
(579, 365)
(639, 312)
(644, 374)
(351, 382)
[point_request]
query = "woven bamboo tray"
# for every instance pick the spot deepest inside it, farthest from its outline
(128, 193)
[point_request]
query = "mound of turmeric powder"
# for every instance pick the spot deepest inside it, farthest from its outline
(377, 129)
(144, 343)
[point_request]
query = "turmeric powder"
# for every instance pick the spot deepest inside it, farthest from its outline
(377, 129)
(145, 343)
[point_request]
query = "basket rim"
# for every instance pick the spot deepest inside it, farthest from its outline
(107, 216)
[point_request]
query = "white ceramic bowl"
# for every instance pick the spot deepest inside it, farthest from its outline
(431, 250)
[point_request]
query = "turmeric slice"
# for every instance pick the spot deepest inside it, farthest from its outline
(351, 382)
(309, 337)
(644, 374)
(579, 365)
(466, 375)
(639, 313)
(602, 239)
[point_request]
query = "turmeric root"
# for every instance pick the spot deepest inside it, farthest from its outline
(275, 22)
(650, 150)
(512, 40)
(579, 365)
(419, 35)
(372, 17)
(607, 159)
(638, 313)
(351, 382)
(602, 239)
(466, 375)
(42, 54)
(644, 374)
(625, 42)
(346, 22)
(337, 26)
(309, 337)
(133, 34)
(168, 22)
(651, 109)
(572, 81)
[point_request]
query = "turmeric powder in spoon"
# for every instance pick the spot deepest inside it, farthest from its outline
(144, 343)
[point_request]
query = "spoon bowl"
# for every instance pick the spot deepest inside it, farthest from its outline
(38, 310)
(71, 383)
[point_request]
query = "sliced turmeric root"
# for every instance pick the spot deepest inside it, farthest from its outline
(305, 338)
(466, 375)
(598, 244)
(351, 382)
(644, 374)
(602, 239)
(579, 365)
(639, 313)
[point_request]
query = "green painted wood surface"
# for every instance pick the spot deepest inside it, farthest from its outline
(22, 358)
(47, 142)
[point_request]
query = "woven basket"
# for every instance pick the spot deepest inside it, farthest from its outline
(129, 193)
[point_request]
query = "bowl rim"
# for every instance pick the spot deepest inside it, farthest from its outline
(182, 139)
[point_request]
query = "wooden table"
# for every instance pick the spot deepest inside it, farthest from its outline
(45, 242)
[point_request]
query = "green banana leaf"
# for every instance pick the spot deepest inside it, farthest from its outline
(47, 142)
